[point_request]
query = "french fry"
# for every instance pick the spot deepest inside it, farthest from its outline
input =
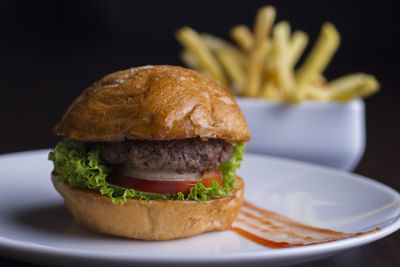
(270, 91)
(318, 81)
(270, 64)
(297, 44)
(190, 60)
(254, 70)
(233, 68)
(216, 44)
(351, 86)
(242, 35)
(315, 89)
(315, 92)
(284, 73)
(262, 26)
(345, 88)
(191, 40)
(231, 59)
(321, 54)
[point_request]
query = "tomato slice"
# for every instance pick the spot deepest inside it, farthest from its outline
(208, 176)
(164, 187)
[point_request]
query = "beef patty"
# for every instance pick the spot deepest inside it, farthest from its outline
(187, 155)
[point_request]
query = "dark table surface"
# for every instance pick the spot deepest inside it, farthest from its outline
(50, 53)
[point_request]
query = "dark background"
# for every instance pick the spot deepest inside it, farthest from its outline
(51, 51)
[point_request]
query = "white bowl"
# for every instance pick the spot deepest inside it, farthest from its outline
(326, 133)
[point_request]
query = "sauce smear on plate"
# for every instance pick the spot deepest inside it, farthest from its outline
(272, 230)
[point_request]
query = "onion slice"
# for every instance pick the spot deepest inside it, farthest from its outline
(160, 175)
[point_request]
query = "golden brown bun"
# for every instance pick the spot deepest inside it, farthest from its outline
(154, 103)
(154, 219)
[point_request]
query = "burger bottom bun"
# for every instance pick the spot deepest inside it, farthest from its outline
(154, 219)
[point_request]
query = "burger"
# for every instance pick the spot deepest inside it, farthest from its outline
(151, 153)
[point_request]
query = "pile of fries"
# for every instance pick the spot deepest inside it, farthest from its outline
(262, 63)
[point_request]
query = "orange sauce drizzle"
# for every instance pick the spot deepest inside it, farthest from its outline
(272, 230)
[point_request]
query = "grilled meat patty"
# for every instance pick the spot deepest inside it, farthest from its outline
(186, 155)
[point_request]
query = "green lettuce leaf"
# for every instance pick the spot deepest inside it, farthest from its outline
(229, 168)
(85, 169)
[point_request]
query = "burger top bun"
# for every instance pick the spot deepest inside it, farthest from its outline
(154, 103)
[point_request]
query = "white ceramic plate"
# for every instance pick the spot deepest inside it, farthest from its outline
(35, 226)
